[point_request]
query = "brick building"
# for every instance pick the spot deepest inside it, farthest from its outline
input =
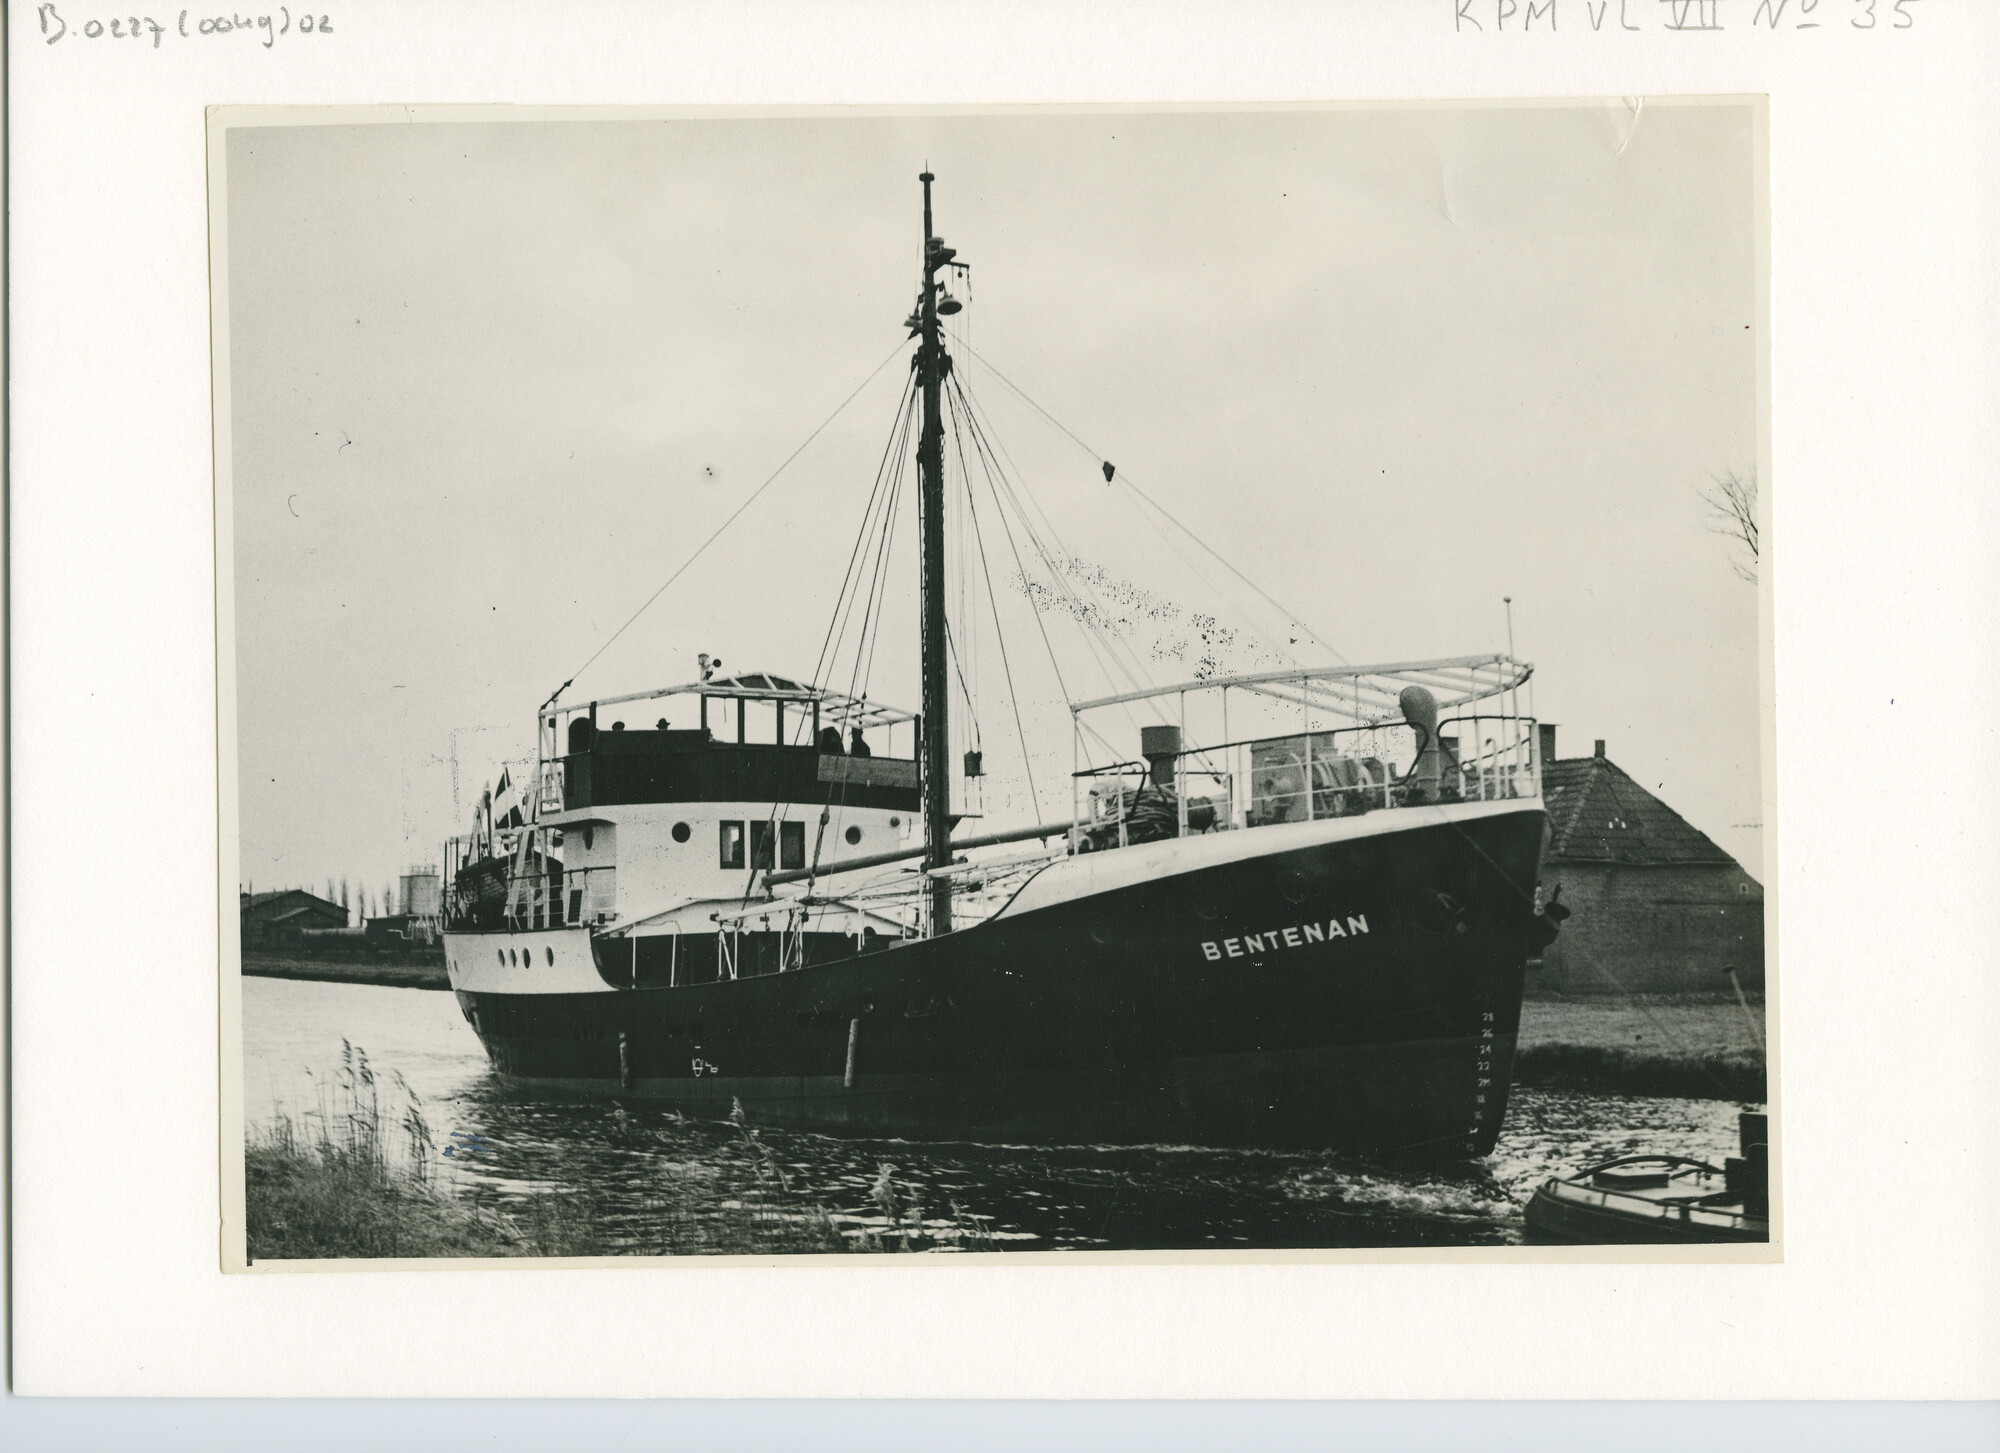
(1657, 906)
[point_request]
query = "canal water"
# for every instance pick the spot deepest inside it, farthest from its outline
(507, 1144)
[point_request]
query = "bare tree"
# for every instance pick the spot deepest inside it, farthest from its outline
(1731, 506)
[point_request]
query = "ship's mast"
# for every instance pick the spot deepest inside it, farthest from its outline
(932, 365)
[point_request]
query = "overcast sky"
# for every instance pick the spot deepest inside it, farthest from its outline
(491, 383)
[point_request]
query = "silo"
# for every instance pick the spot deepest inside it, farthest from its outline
(421, 895)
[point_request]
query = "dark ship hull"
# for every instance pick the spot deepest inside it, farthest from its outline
(1361, 994)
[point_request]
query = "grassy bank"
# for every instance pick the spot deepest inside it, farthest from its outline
(358, 1175)
(1646, 1045)
(389, 972)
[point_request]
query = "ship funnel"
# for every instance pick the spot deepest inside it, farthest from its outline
(1159, 745)
(1420, 710)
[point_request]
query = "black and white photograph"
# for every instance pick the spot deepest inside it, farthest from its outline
(1031, 682)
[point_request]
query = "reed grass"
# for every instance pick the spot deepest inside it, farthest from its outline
(903, 1225)
(345, 1178)
(355, 1174)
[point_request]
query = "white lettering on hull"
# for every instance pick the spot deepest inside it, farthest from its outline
(1299, 935)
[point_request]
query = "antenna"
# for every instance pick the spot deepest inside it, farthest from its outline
(1508, 601)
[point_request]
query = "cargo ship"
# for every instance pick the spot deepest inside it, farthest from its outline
(771, 900)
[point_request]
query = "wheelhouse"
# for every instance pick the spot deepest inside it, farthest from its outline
(756, 737)
(626, 825)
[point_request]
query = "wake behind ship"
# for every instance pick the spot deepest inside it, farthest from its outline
(1308, 932)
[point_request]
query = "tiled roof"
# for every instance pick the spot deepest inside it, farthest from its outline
(1599, 814)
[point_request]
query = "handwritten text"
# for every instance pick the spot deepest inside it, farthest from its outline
(263, 30)
(1519, 17)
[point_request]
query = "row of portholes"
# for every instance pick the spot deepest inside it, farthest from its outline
(526, 960)
(682, 832)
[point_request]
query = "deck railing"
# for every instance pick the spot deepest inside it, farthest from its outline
(1309, 776)
(546, 895)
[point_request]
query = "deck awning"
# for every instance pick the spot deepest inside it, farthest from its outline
(1363, 693)
(835, 707)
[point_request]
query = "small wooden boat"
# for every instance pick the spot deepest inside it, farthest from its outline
(1661, 1199)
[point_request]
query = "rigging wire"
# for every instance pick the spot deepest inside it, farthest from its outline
(830, 645)
(996, 481)
(1141, 494)
(958, 669)
(889, 472)
(1006, 667)
(994, 470)
(1136, 675)
(1202, 574)
(1054, 663)
(878, 587)
(754, 495)
(842, 610)
(1080, 616)
(1082, 610)
(1276, 605)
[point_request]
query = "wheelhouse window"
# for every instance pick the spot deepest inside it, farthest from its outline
(791, 844)
(763, 844)
(732, 844)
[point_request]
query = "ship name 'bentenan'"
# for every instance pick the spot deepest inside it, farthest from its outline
(1297, 936)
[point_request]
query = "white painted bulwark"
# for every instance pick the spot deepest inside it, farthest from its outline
(541, 961)
(1068, 879)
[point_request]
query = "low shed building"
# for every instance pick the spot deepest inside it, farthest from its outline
(1657, 906)
(281, 917)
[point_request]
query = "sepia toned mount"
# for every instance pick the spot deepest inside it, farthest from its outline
(1293, 908)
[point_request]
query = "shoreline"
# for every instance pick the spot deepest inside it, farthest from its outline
(1695, 1046)
(387, 973)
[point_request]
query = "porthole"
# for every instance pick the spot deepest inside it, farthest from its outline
(853, 836)
(895, 822)
(501, 954)
(511, 959)
(1206, 910)
(551, 952)
(682, 832)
